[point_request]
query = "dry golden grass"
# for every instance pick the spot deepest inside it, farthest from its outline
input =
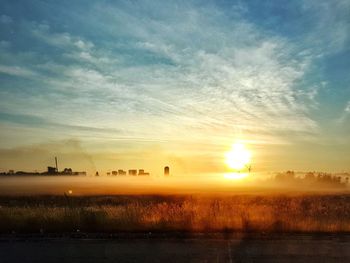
(263, 213)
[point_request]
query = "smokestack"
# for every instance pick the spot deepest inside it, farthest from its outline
(56, 164)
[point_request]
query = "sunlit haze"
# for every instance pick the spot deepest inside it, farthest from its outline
(204, 87)
(238, 157)
(174, 131)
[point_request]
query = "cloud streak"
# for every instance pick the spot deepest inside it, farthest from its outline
(197, 68)
(160, 72)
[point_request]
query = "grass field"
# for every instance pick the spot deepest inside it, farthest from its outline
(185, 213)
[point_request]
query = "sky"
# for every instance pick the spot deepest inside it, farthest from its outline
(143, 84)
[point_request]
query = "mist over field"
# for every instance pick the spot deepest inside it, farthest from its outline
(174, 131)
(212, 184)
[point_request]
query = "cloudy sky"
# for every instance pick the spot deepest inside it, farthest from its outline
(119, 84)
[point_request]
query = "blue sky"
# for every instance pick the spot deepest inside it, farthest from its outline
(121, 80)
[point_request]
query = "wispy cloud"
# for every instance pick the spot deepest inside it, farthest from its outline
(5, 19)
(344, 116)
(16, 71)
(330, 25)
(175, 71)
(347, 107)
(64, 40)
(196, 67)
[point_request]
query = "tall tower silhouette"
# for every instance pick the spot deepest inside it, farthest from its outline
(56, 165)
(166, 171)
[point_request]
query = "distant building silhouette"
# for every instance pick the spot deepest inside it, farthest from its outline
(166, 171)
(142, 172)
(51, 170)
(121, 172)
(133, 172)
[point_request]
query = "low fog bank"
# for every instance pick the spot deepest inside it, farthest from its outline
(205, 184)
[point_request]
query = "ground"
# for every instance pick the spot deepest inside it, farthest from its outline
(197, 248)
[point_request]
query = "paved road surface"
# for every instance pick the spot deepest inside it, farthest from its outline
(276, 248)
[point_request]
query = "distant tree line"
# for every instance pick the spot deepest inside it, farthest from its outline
(313, 178)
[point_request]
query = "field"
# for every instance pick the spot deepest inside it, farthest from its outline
(263, 213)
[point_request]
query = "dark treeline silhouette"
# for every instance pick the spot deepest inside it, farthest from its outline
(318, 179)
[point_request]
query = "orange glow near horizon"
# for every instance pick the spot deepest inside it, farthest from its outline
(236, 176)
(238, 159)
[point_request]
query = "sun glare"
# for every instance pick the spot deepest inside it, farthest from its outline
(235, 176)
(238, 158)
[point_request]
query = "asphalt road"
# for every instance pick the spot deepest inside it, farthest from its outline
(275, 248)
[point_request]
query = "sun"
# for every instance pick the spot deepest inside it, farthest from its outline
(238, 158)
